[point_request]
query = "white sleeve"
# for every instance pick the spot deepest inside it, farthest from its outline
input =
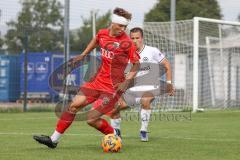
(158, 56)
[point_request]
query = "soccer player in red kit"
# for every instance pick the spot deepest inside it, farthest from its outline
(108, 84)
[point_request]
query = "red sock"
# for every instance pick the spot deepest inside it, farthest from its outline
(65, 121)
(105, 128)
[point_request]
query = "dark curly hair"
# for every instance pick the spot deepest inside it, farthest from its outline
(123, 13)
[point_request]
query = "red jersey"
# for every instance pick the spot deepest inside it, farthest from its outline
(115, 53)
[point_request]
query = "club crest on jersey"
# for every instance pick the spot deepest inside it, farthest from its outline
(145, 59)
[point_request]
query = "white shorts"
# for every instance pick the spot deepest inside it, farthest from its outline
(133, 95)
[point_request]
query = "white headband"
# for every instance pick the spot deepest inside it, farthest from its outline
(120, 20)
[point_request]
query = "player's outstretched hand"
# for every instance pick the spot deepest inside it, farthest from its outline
(74, 61)
(170, 89)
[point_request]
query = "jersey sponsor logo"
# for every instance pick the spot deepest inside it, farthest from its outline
(107, 54)
(145, 68)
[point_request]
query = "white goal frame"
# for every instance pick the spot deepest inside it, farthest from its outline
(196, 21)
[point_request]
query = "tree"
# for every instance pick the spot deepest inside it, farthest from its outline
(41, 22)
(81, 37)
(185, 9)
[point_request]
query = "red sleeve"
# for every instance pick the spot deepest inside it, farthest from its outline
(133, 54)
(98, 36)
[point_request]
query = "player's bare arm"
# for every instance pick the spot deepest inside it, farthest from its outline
(92, 44)
(167, 65)
(122, 87)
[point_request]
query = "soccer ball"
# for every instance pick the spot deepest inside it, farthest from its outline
(111, 143)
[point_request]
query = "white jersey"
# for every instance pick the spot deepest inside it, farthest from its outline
(149, 72)
(151, 54)
(148, 76)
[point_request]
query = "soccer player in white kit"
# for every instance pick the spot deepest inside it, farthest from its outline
(146, 85)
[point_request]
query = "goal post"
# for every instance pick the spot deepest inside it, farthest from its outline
(196, 21)
(195, 62)
(205, 58)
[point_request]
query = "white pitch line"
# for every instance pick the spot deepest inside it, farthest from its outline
(30, 134)
(100, 135)
(202, 139)
(32, 118)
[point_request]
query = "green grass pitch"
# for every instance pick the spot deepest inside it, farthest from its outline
(212, 135)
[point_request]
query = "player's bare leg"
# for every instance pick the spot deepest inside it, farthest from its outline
(145, 114)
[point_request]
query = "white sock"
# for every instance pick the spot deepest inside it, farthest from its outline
(56, 136)
(115, 123)
(145, 118)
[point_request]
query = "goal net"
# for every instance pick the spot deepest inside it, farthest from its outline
(205, 58)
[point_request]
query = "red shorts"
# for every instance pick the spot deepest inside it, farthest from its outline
(99, 102)
(106, 99)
